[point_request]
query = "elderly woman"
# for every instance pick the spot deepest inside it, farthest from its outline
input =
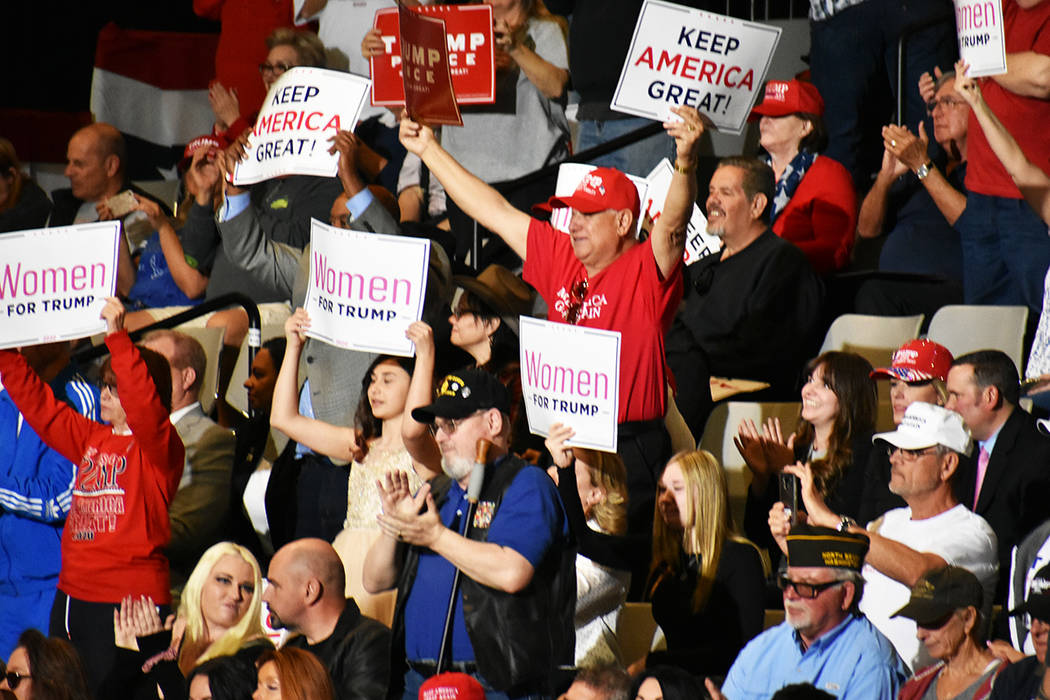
(946, 605)
(814, 205)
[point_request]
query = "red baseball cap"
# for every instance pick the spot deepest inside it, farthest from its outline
(917, 361)
(600, 189)
(784, 97)
(451, 686)
(205, 141)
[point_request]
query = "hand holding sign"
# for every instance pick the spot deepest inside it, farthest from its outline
(113, 314)
(415, 137)
(686, 132)
(966, 85)
(561, 453)
(295, 328)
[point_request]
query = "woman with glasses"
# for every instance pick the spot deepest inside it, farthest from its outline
(946, 606)
(706, 582)
(374, 447)
(834, 433)
(44, 668)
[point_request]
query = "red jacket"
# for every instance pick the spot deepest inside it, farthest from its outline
(821, 217)
(117, 528)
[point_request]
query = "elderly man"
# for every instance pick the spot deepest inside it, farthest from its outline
(1025, 676)
(751, 312)
(931, 532)
(512, 625)
(600, 276)
(198, 511)
(824, 639)
(1008, 481)
(304, 593)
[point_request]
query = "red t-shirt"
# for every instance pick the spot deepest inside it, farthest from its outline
(117, 528)
(629, 296)
(1024, 117)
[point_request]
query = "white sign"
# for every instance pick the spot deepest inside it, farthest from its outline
(698, 242)
(301, 112)
(365, 288)
(571, 375)
(54, 282)
(979, 26)
(569, 177)
(681, 56)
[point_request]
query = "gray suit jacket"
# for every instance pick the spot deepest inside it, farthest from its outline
(198, 510)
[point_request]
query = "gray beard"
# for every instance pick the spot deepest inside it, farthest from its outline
(457, 468)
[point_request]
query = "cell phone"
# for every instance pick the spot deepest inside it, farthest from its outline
(121, 203)
(789, 486)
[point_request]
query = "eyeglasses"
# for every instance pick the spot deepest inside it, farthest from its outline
(577, 293)
(449, 426)
(805, 590)
(910, 455)
(943, 102)
(275, 68)
(14, 679)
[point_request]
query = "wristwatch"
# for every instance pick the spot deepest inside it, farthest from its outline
(846, 523)
(924, 170)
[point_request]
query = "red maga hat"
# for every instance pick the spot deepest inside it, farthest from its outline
(784, 97)
(600, 189)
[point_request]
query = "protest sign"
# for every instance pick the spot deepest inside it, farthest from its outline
(698, 242)
(365, 288)
(979, 27)
(301, 113)
(424, 69)
(571, 375)
(569, 176)
(54, 282)
(680, 56)
(470, 54)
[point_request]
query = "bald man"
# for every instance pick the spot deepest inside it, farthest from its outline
(304, 594)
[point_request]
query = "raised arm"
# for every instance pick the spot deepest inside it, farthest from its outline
(1027, 74)
(548, 73)
(191, 282)
(1029, 178)
(474, 197)
(668, 233)
(912, 151)
(334, 441)
(418, 440)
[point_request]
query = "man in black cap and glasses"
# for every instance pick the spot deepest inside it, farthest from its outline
(1027, 678)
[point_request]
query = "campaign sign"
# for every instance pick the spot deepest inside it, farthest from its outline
(424, 69)
(979, 27)
(365, 288)
(681, 56)
(571, 375)
(470, 54)
(569, 176)
(54, 282)
(698, 242)
(301, 113)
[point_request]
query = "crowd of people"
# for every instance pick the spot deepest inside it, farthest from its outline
(382, 526)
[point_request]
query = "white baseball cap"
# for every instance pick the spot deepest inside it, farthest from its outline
(926, 425)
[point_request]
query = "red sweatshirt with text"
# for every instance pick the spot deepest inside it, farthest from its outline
(117, 528)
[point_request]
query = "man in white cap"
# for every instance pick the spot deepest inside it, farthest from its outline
(934, 530)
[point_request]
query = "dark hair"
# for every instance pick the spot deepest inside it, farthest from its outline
(675, 683)
(847, 375)
(364, 419)
(58, 673)
(9, 162)
(229, 677)
(276, 347)
(302, 675)
(504, 342)
(611, 681)
(158, 368)
(801, 691)
(817, 139)
(993, 368)
(758, 179)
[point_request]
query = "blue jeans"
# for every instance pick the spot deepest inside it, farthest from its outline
(1006, 252)
(414, 680)
(637, 159)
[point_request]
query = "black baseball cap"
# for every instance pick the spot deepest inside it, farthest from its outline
(809, 545)
(1037, 604)
(940, 593)
(462, 393)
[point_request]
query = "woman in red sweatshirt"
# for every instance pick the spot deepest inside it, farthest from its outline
(127, 474)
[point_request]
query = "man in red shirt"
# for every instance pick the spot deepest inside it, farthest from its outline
(601, 276)
(1006, 250)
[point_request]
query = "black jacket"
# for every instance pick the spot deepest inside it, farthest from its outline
(356, 654)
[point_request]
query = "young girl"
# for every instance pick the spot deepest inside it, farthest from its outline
(127, 474)
(373, 445)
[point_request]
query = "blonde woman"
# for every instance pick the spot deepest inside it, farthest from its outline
(219, 615)
(706, 583)
(595, 501)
